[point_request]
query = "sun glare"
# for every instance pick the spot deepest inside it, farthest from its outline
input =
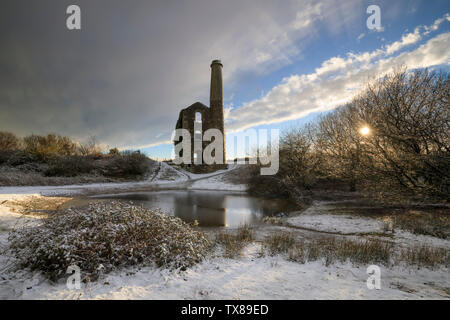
(364, 131)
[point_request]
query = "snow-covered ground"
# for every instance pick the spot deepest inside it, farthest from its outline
(317, 217)
(248, 277)
(9, 220)
(7, 217)
(168, 174)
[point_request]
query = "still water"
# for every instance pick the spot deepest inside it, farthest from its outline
(209, 208)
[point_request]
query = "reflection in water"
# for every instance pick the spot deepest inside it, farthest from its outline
(209, 208)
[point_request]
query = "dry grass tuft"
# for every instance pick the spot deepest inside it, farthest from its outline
(425, 256)
(365, 252)
(368, 251)
(279, 242)
(233, 243)
(427, 223)
(330, 249)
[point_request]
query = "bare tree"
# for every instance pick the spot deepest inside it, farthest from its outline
(91, 147)
(393, 138)
(409, 116)
(341, 145)
(8, 141)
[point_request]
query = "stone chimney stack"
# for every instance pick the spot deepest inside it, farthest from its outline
(216, 100)
(216, 95)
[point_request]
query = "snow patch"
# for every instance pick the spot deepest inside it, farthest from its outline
(315, 218)
(217, 183)
(336, 223)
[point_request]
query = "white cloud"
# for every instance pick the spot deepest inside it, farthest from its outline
(310, 13)
(145, 146)
(414, 37)
(336, 81)
(406, 40)
(436, 24)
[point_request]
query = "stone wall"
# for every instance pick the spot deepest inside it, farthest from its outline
(211, 118)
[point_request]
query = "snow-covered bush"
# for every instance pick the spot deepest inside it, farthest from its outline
(106, 235)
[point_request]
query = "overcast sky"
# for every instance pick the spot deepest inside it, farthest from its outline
(134, 64)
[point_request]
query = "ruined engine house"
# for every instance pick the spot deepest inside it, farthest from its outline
(197, 118)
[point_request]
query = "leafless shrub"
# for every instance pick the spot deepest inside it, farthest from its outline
(126, 165)
(8, 141)
(17, 158)
(70, 166)
(50, 159)
(12, 177)
(28, 170)
(90, 148)
(298, 168)
(49, 146)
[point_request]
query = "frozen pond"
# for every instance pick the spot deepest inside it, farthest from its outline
(209, 208)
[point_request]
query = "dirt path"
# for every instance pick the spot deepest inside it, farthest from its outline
(190, 178)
